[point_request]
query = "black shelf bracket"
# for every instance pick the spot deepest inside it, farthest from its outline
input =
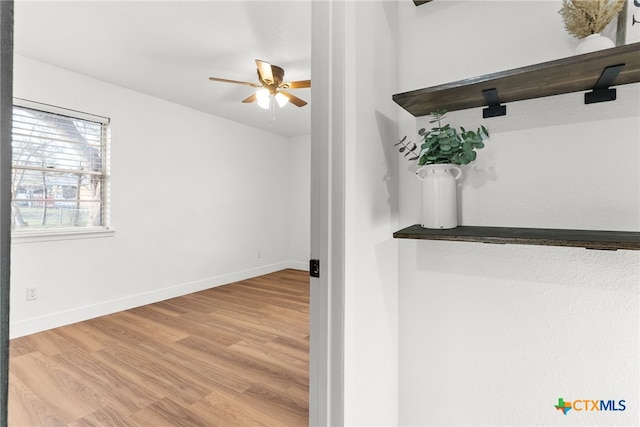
(601, 91)
(494, 109)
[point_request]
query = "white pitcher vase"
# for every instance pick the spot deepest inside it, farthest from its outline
(439, 200)
(593, 43)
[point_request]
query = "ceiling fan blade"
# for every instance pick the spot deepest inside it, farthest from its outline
(300, 84)
(216, 79)
(251, 98)
(294, 99)
(264, 69)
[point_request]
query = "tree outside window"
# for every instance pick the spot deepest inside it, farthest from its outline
(59, 170)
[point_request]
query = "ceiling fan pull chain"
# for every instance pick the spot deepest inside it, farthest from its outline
(272, 109)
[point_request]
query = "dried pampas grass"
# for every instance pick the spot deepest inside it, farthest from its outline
(585, 17)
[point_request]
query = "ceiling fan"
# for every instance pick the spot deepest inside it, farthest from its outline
(272, 87)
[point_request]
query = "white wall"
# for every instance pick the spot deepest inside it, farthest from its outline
(300, 204)
(354, 311)
(494, 335)
(371, 203)
(194, 198)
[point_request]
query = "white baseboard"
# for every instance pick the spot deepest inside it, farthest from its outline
(54, 320)
(298, 265)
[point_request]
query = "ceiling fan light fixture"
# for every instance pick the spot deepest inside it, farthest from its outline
(272, 86)
(282, 99)
(263, 97)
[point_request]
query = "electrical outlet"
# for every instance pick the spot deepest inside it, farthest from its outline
(32, 294)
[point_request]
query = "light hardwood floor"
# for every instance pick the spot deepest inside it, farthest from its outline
(233, 355)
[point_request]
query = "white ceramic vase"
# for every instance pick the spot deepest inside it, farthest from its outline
(594, 42)
(439, 195)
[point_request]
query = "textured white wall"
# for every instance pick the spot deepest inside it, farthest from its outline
(194, 199)
(494, 335)
(370, 287)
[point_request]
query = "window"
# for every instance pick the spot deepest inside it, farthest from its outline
(59, 169)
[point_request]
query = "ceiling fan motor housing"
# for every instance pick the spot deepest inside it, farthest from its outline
(278, 77)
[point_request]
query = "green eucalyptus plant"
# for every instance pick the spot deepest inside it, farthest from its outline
(444, 144)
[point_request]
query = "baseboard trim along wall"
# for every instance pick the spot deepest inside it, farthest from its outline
(67, 317)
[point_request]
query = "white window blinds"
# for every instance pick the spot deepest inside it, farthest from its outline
(59, 169)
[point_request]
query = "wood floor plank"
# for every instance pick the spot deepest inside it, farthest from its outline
(106, 416)
(148, 327)
(166, 412)
(251, 293)
(191, 323)
(216, 302)
(80, 337)
(286, 403)
(236, 410)
(248, 367)
(55, 386)
(104, 380)
(48, 343)
(199, 369)
(234, 355)
(232, 414)
(254, 405)
(189, 304)
(20, 346)
(256, 326)
(290, 348)
(153, 373)
(269, 356)
(28, 409)
(225, 325)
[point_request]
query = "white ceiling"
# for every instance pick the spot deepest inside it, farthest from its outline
(169, 49)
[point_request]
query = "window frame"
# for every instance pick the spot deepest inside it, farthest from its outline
(72, 233)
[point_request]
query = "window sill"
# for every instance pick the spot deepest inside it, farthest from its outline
(18, 237)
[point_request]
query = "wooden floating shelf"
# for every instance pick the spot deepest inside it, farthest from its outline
(419, 2)
(591, 71)
(589, 239)
(573, 74)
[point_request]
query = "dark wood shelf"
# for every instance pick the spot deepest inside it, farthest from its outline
(589, 239)
(419, 2)
(574, 74)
